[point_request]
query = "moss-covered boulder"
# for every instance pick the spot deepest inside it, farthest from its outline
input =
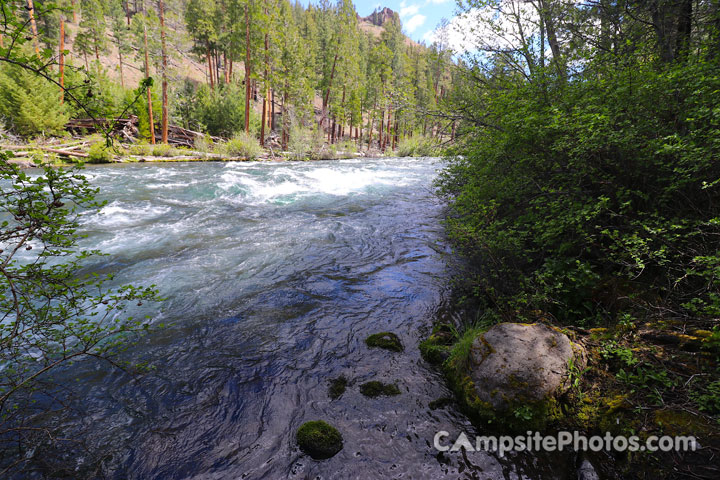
(374, 389)
(319, 439)
(386, 340)
(515, 375)
(337, 387)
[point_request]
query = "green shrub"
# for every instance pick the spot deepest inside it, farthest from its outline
(219, 112)
(416, 146)
(99, 152)
(305, 143)
(29, 105)
(599, 202)
(243, 145)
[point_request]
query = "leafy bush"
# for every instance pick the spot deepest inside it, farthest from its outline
(603, 200)
(99, 153)
(305, 143)
(416, 146)
(219, 112)
(243, 145)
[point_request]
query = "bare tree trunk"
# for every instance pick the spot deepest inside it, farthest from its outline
(247, 71)
(381, 133)
(227, 70)
(210, 78)
(283, 111)
(161, 7)
(127, 12)
(33, 26)
(149, 93)
(120, 60)
(326, 98)
(61, 59)
(74, 9)
(272, 111)
(266, 102)
(395, 134)
(684, 29)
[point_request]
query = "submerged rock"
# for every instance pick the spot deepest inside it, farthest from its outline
(337, 387)
(319, 439)
(374, 389)
(386, 340)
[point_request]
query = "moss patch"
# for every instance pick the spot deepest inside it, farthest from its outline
(441, 402)
(386, 340)
(374, 389)
(337, 387)
(319, 439)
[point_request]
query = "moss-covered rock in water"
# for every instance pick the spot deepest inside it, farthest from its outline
(374, 389)
(319, 439)
(513, 376)
(386, 340)
(337, 387)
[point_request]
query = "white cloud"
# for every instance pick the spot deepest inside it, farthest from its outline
(414, 23)
(436, 2)
(408, 11)
(494, 27)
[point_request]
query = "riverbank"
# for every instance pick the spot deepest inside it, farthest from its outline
(650, 379)
(93, 150)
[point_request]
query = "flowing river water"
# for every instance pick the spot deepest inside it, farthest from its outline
(273, 275)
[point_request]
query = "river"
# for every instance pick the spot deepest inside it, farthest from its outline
(273, 275)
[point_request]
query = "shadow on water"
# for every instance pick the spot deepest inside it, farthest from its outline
(274, 275)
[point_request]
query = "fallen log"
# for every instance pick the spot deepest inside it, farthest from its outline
(64, 152)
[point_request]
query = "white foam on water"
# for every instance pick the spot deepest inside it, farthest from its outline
(119, 213)
(284, 182)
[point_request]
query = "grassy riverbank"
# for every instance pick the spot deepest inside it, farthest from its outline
(94, 149)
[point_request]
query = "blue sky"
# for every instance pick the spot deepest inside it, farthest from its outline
(419, 17)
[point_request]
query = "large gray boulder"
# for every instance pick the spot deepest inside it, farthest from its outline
(516, 364)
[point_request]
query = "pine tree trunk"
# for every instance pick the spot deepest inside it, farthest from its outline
(74, 9)
(267, 92)
(284, 119)
(61, 59)
(381, 137)
(127, 12)
(33, 26)
(395, 133)
(210, 68)
(161, 7)
(247, 71)
(326, 98)
(122, 79)
(227, 70)
(149, 93)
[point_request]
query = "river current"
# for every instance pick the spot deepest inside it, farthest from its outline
(273, 275)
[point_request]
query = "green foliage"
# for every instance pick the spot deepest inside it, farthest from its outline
(337, 387)
(219, 112)
(319, 439)
(708, 399)
(243, 145)
(417, 146)
(53, 313)
(99, 152)
(610, 193)
(612, 351)
(29, 105)
(386, 340)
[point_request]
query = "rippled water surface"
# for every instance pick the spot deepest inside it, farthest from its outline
(274, 274)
